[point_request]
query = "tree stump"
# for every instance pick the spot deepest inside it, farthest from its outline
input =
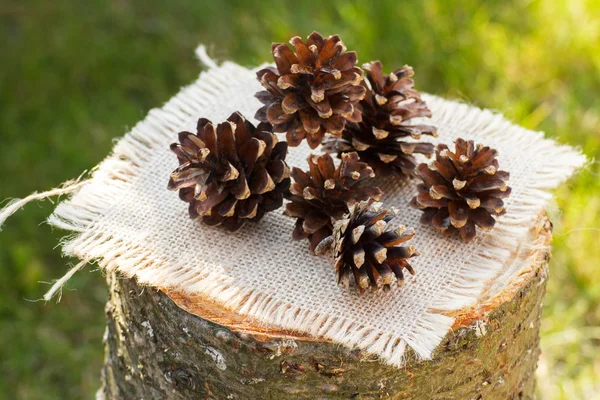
(166, 345)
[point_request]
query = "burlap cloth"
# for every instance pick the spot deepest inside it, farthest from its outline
(126, 219)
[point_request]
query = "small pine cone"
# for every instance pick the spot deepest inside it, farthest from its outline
(389, 105)
(463, 191)
(231, 174)
(324, 193)
(367, 251)
(312, 91)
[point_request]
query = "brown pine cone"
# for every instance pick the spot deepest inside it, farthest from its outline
(231, 174)
(369, 253)
(325, 192)
(312, 91)
(463, 191)
(387, 110)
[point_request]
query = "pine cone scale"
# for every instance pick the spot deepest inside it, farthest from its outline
(482, 219)
(299, 233)
(395, 238)
(276, 115)
(227, 207)
(482, 184)
(304, 55)
(314, 221)
(315, 39)
(310, 120)
(467, 233)
(279, 171)
(459, 213)
(346, 61)
(284, 58)
(249, 208)
(209, 138)
(240, 189)
(492, 203)
(292, 102)
(441, 219)
(442, 191)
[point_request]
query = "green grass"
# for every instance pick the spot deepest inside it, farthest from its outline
(76, 74)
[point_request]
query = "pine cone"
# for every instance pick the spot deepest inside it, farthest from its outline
(231, 174)
(325, 192)
(367, 251)
(465, 189)
(312, 91)
(389, 105)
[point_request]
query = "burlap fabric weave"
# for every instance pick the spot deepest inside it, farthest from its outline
(126, 219)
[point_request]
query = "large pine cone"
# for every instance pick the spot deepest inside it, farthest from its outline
(312, 91)
(387, 110)
(369, 253)
(463, 191)
(325, 192)
(231, 174)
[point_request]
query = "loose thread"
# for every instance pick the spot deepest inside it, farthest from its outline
(16, 204)
(204, 57)
(62, 281)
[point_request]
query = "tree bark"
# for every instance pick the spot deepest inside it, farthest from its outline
(165, 345)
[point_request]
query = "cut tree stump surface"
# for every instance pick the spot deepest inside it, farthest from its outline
(166, 345)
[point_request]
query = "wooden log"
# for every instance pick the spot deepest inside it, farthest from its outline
(166, 345)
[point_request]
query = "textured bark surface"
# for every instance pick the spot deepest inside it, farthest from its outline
(157, 350)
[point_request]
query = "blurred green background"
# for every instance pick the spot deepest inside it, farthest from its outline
(76, 74)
